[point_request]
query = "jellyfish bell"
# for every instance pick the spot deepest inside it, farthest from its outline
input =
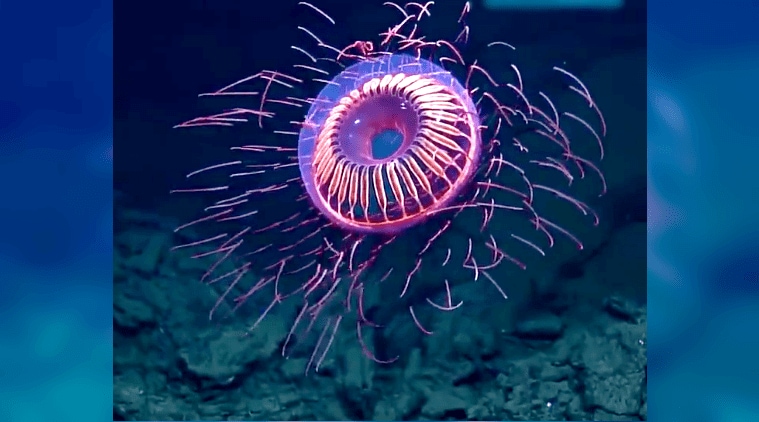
(436, 156)
(396, 174)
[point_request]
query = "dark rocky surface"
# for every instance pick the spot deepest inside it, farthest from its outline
(585, 362)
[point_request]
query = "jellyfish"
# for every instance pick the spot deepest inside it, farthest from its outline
(385, 162)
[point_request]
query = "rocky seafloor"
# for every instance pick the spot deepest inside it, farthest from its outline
(581, 355)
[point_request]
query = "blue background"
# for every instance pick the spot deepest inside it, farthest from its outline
(55, 217)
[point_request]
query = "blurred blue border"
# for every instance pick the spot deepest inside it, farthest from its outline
(56, 210)
(703, 232)
(56, 228)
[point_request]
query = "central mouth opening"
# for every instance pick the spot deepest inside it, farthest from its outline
(386, 143)
(378, 129)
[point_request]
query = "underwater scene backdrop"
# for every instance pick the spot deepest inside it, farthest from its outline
(58, 340)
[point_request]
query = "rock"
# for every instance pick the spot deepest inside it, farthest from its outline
(599, 355)
(461, 371)
(440, 402)
(463, 343)
(602, 415)
(555, 372)
(502, 380)
(620, 268)
(150, 256)
(357, 372)
(414, 364)
(220, 356)
(473, 338)
(618, 394)
(143, 245)
(129, 312)
(555, 399)
(478, 412)
(575, 410)
(623, 308)
(398, 406)
(519, 403)
(168, 408)
(129, 394)
(614, 376)
(293, 368)
(540, 326)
